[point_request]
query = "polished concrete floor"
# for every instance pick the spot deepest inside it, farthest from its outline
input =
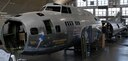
(116, 51)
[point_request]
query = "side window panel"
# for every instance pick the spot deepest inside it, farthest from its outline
(50, 8)
(58, 29)
(66, 10)
(69, 23)
(69, 10)
(48, 25)
(72, 23)
(34, 31)
(77, 22)
(66, 24)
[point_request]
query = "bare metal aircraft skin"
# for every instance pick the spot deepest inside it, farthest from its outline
(114, 26)
(53, 29)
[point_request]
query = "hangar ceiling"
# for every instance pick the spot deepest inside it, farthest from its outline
(19, 6)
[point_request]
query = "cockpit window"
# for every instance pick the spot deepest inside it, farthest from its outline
(53, 8)
(66, 10)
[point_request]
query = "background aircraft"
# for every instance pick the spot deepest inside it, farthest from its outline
(113, 27)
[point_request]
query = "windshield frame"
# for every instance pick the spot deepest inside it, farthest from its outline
(53, 8)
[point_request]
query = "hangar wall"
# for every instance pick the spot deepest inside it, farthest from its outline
(105, 9)
(20, 6)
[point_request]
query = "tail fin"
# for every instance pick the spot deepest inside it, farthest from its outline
(118, 18)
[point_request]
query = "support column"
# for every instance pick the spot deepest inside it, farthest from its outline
(107, 14)
(94, 11)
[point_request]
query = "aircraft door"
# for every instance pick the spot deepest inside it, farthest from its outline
(48, 26)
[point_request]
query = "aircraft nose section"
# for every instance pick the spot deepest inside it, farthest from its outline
(13, 36)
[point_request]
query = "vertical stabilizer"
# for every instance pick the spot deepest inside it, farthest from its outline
(117, 18)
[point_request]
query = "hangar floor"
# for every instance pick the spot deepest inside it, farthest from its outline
(117, 51)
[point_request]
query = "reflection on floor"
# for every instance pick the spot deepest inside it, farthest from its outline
(117, 51)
